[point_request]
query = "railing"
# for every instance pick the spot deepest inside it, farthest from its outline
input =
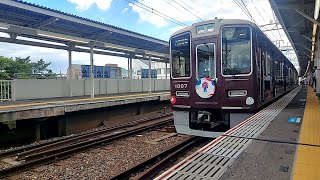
(7, 90)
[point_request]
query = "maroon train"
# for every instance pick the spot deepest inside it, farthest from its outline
(222, 72)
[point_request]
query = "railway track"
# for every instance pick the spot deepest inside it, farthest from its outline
(157, 163)
(50, 152)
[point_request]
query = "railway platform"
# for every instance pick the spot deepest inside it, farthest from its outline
(41, 108)
(279, 142)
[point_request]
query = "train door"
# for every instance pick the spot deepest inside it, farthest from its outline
(258, 65)
(262, 72)
(285, 74)
(273, 84)
(206, 75)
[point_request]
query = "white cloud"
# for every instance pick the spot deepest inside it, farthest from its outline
(124, 10)
(86, 4)
(202, 8)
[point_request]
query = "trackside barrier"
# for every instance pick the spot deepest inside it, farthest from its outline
(7, 92)
(54, 88)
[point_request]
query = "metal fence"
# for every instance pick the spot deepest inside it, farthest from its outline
(7, 90)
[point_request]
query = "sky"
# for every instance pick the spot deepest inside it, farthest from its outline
(128, 15)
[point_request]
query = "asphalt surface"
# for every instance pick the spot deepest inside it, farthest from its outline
(271, 160)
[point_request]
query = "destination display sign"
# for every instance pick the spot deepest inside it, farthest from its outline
(181, 40)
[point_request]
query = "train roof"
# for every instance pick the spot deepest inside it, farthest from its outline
(218, 23)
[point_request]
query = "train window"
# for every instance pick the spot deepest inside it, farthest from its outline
(268, 62)
(206, 61)
(200, 29)
(210, 27)
(180, 56)
(205, 28)
(281, 70)
(278, 71)
(236, 50)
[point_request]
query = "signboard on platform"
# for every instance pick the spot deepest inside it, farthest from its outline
(98, 71)
(85, 70)
(101, 72)
(154, 73)
(106, 72)
(145, 73)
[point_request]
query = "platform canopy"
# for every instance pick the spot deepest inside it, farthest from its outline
(34, 25)
(295, 17)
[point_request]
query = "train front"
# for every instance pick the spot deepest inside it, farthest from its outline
(211, 78)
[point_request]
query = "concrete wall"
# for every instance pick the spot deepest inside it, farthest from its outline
(50, 88)
(40, 88)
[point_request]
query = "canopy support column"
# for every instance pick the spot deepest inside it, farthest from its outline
(131, 76)
(91, 70)
(166, 69)
(70, 69)
(150, 82)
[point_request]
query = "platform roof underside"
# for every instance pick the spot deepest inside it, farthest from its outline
(296, 26)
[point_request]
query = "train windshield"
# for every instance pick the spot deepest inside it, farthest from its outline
(180, 56)
(236, 50)
(206, 61)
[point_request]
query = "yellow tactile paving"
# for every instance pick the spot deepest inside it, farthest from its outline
(81, 100)
(307, 162)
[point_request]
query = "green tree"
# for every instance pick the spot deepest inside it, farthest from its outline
(40, 67)
(4, 64)
(9, 68)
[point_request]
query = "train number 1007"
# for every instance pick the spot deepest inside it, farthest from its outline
(181, 86)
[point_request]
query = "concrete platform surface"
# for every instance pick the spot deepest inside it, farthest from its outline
(18, 110)
(274, 157)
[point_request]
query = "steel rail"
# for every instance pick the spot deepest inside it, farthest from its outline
(167, 156)
(43, 146)
(63, 152)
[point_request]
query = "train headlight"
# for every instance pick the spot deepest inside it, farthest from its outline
(173, 99)
(249, 101)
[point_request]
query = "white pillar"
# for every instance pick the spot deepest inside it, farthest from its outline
(70, 72)
(166, 74)
(150, 87)
(131, 76)
(91, 71)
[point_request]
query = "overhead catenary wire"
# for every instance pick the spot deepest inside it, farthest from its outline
(243, 10)
(192, 8)
(263, 18)
(245, 7)
(265, 12)
(152, 10)
(188, 10)
(166, 1)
